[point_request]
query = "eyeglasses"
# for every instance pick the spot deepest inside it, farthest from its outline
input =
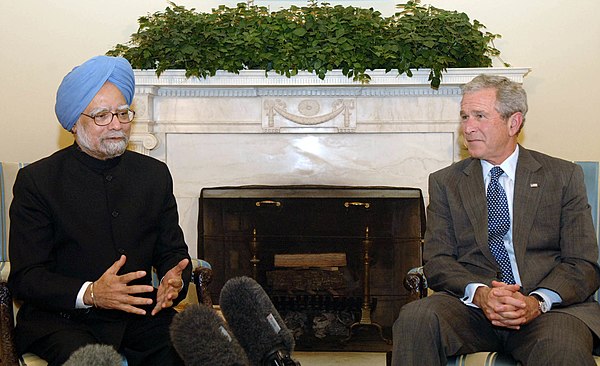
(104, 118)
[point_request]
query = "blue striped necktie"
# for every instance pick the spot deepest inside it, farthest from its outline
(498, 223)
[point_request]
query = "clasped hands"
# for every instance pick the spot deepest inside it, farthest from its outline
(505, 306)
(112, 291)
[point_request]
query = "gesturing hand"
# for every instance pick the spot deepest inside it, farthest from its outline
(169, 287)
(112, 291)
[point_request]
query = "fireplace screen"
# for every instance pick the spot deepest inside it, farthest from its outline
(332, 258)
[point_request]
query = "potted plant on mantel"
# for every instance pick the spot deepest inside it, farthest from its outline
(314, 38)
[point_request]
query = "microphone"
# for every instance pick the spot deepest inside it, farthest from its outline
(200, 337)
(95, 354)
(256, 323)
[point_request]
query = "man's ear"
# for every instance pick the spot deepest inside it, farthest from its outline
(515, 121)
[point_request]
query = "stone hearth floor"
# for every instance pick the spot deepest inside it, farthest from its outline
(340, 358)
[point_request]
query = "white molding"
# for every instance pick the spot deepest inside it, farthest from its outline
(248, 102)
(379, 77)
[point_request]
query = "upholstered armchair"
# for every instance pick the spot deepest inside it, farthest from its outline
(197, 292)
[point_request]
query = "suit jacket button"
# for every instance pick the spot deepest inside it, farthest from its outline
(115, 213)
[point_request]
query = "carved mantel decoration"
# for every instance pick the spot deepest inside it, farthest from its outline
(308, 114)
(245, 129)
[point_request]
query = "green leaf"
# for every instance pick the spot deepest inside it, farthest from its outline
(316, 38)
(299, 32)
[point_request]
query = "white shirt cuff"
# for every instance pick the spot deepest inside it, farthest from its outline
(549, 296)
(470, 294)
(79, 301)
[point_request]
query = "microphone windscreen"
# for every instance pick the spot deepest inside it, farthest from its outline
(201, 337)
(95, 354)
(254, 320)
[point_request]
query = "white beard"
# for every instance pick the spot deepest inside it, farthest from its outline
(103, 147)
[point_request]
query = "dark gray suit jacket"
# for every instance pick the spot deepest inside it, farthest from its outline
(553, 234)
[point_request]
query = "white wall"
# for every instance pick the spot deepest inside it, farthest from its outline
(40, 41)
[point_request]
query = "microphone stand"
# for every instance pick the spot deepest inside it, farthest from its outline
(279, 357)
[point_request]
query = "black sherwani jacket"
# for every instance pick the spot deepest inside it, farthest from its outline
(72, 216)
(553, 235)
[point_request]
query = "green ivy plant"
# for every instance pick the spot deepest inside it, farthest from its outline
(314, 38)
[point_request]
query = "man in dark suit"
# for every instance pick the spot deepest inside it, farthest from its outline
(525, 290)
(88, 225)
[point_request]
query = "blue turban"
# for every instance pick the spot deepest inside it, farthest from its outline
(82, 84)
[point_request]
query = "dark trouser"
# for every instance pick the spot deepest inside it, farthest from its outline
(430, 330)
(146, 341)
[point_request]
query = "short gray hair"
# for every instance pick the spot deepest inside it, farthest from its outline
(510, 96)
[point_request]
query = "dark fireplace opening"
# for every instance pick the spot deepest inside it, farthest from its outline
(332, 258)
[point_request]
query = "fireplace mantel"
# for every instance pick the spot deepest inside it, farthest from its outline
(248, 129)
(378, 77)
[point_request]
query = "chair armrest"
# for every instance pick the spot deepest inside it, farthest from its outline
(416, 283)
(202, 276)
(8, 352)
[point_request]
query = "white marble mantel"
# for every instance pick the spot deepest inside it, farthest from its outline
(250, 129)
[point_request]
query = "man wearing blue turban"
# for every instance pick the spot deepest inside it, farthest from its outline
(88, 225)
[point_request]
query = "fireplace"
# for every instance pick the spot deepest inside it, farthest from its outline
(332, 258)
(231, 130)
(247, 129)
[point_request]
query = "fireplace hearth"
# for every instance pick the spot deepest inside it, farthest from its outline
(332, 258)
